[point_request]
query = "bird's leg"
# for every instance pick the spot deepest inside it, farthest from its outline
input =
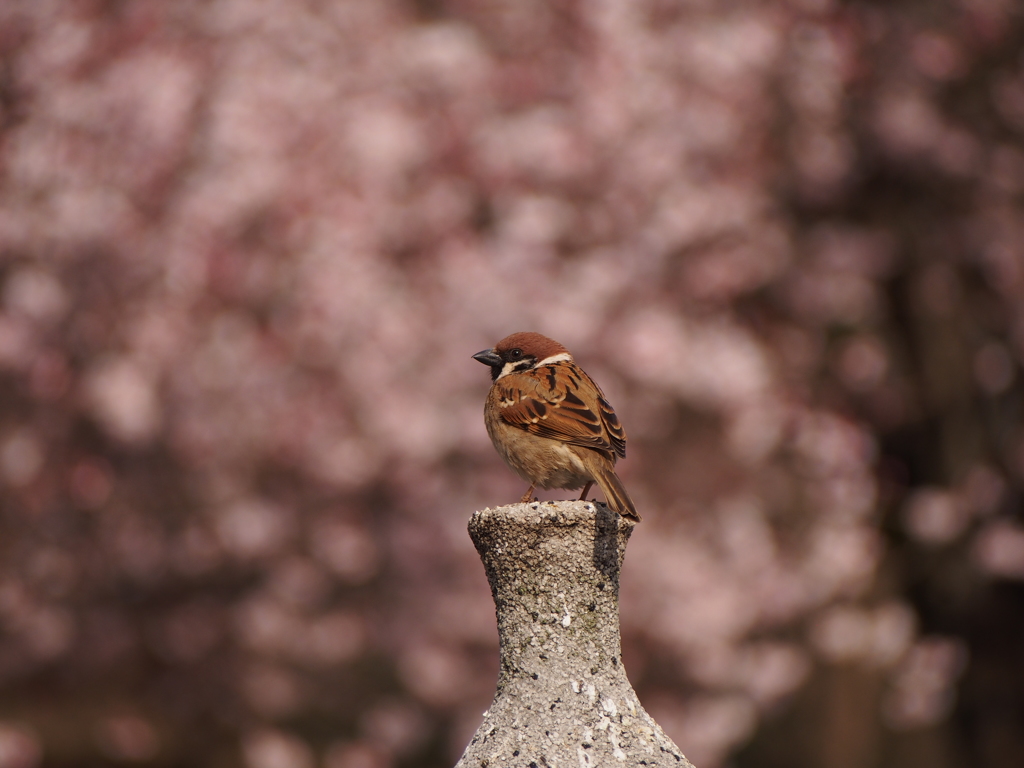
(586, 490)
(528, 496)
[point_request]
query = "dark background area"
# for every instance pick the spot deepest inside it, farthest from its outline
(246, 252)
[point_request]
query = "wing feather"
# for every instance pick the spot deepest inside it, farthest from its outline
(552, 401)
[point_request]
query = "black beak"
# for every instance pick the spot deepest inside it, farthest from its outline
(488, 357)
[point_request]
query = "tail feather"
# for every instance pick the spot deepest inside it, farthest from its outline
(615, 492)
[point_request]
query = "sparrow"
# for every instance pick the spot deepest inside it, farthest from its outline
(550, 422)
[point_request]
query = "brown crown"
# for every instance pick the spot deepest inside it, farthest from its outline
(532, 344)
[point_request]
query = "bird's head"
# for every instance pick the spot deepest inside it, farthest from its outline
(521, 352)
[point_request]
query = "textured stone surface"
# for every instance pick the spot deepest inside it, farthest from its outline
(563, 698)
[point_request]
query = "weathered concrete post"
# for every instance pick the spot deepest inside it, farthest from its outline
(563, 700)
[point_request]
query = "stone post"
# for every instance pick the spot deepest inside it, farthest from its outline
(563, 700)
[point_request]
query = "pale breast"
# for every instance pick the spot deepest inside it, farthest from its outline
(538, 460)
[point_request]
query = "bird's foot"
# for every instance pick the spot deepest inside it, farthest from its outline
(586, 490)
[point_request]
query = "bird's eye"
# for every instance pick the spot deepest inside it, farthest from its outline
(515, 354)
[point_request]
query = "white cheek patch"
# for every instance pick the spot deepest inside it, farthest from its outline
(507, 369)
(515, 366)
(562, 357)
(518, 366)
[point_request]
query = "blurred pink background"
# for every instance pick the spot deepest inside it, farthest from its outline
(246, 252)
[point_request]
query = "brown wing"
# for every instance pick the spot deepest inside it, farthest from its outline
(561, 402)
(616, 433)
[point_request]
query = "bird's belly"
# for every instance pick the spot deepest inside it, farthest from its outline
(539, 460)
